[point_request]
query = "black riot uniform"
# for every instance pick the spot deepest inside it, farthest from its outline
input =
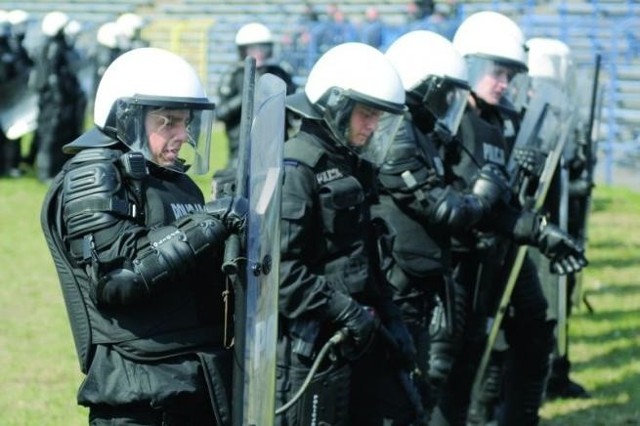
(415, 222)
(477, 258)
(58, 88)
(327, 270)
(139, 264)
(230, 100)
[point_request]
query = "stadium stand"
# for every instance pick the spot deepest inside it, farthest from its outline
(203, 31)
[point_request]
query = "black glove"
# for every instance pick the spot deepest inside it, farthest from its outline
(491, 185)
(231, 211)
(360, 322)
(530, 160)
(564, 252)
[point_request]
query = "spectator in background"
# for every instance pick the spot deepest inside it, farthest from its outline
(301, 43)
(335, 30)
(441, 20)
(372, 30)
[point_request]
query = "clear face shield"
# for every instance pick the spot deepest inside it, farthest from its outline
(171, 134)
(499, 83)
(446, 99)
(261, 52)
(365, 126)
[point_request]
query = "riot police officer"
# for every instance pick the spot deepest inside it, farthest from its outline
(256, 40)
(105, 51)
(58, 88)
(138, 252)
(130, 27)
(551, 69)
(329, 279)
(493, 47)
(418, 210)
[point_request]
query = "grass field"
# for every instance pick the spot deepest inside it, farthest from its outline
(39, 373)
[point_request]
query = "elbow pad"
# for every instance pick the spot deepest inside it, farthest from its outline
(457, 211)
(491, 185)
(170, 252)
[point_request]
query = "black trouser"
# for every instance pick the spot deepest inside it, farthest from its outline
(364, 391)
(530, 338)
(188, 412)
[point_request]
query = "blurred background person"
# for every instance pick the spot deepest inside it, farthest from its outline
(372, 30)
(130, 28)
(58, 90)
(253, 39)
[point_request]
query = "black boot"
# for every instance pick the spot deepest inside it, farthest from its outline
(560, 385)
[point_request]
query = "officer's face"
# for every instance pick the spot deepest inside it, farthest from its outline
(167, 130)
(491, 87)
(364, 121)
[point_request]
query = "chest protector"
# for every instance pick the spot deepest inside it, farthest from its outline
(95, 206)
(482, 143)
(406, 239)
(342, 214)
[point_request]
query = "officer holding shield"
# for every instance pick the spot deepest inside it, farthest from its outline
(138, 252)
(351, 106)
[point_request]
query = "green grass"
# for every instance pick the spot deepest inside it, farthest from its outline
(39, 372)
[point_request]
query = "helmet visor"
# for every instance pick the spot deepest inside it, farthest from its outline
(498, 82)
(172, 134)
(365, 127)
(446, 99)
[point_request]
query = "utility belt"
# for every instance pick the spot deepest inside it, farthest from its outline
(169, 345)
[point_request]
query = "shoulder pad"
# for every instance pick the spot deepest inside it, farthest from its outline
(97, 155)
(301, 150)
(94, 138)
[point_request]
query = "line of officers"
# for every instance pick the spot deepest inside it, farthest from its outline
(398, 175)
(398, 209)
(47, 81)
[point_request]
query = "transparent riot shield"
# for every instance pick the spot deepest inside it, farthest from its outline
(18, 108)
(546, 125)
(263, 251)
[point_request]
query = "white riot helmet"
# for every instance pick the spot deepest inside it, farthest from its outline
(53, 23)
(150, 81)
(550, 58)
(108, 35)
(253, 33)
(19, 20)
(493, 43)
(433, 73)
(255, 39)
(72, 30)
(551, 70)
(129, 24)
(347, 76)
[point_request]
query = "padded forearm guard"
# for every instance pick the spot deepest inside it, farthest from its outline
(170, 252)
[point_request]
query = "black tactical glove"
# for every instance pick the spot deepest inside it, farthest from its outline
(564, 252)
(491, 185)
(231, 211)
(360, 322)
(530, 160)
